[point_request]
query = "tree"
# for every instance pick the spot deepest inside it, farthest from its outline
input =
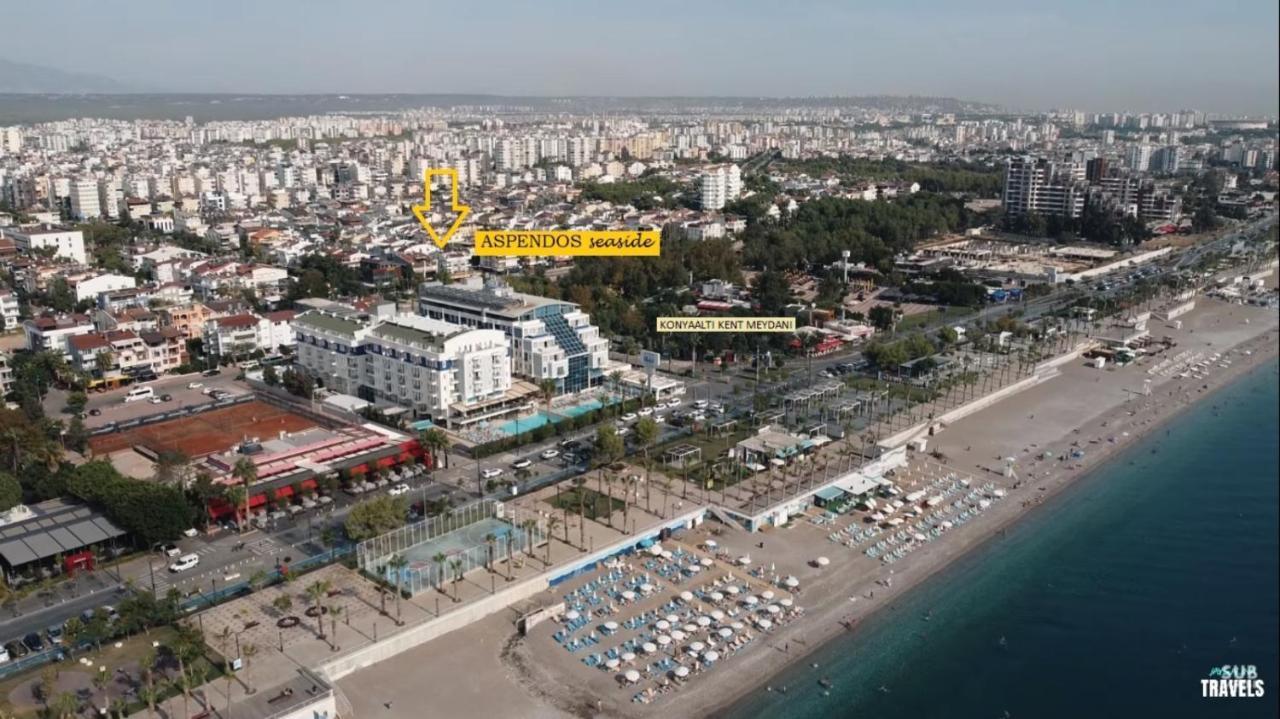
(10, 491)
(646, 435)
(882, 317)
(316, 592)
(375, 517)
(547, 390)
(772, 291)
(77, 435)
(397, 563)
(247, 472)
(150, 512)
(436, 442)
(269, 376)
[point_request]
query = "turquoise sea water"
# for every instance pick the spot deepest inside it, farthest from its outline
(1112, 601)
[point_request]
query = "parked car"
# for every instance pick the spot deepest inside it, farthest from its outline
(54, 634)
(156, 400)
(168, 549)
(645, 411)
(629, 417)
(491, 472)
(550, 453)
(166, 398)
(185, 562)
(211, 373)
(16, 649)
(673, 402)
(195, 385)
(34, 642)
(522, 463)
(95, 412)
(398, 490)
(4, 655)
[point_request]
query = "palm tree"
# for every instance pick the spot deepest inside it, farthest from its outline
(149, 693)
(100, 681)
(397, 563)
(66, 705)
(316, 591)
(436, 442)
(489, 540)
(440, 560)
(247, 472)
(646, 435)
(552, 522)
(456, 565)
(547, 390)
(249, 651)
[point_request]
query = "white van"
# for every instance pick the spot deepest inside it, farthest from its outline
(138, 393)
(185, 562)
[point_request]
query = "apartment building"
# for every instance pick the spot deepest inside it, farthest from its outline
(52, 333)
(9, 311)
(1044, 187)
(63, 242)
(719, 185)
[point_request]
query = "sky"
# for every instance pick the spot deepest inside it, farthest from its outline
(1094, 55)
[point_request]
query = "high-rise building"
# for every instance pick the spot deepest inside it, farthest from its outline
(1044, 187)
(720, 185)
(84, 199)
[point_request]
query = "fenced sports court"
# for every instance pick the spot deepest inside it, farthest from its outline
(432, 552)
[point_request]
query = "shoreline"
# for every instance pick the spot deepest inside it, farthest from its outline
(827, 624)
(1059, 491)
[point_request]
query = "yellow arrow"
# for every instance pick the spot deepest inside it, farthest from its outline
(423, 211)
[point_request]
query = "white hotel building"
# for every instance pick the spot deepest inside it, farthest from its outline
(452, 374)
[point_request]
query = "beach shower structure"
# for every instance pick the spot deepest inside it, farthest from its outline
(436, 551)
(1008, 467)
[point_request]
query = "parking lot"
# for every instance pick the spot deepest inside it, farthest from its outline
(107, 407)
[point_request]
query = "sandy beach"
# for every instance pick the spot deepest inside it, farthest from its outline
(487, 670)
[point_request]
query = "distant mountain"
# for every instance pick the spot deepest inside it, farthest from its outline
(21, 77)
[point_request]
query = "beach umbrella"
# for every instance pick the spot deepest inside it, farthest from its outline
(663, 625)
(744, 560)
(717, 615)
(697, 646)
(716, 596)
(792, 582)
(711, 656)
(710, 544)
(766, 594)
(773, 609)
(611, 626)
(678, 635)
(672, 618)
(691, 628)
(682, 672)
(750, 600)
(686, 596)
(704, 621)
(693, 569)
(823, 561)
(737, 626)
(764, 624)
(786, 603)
(666, 554)
(572, 614)
(646, 588)
(725, 632)
(649, 647)
(656, 550)
(628, 657)
(612, 663)
(632, 676)
(706, 561)
(732, 589)
(629, 595)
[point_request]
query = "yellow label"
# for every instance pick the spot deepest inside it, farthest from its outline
(726, 324)
(579, 243)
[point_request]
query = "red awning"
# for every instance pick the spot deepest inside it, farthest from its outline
(359, 469)
(387, 462)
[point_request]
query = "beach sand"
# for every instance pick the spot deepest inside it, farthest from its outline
(484, 670)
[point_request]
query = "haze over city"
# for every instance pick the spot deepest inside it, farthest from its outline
(1216, 56)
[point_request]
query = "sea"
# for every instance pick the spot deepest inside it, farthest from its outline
(1112, 600)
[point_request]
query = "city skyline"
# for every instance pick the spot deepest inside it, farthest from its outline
(1225, 61)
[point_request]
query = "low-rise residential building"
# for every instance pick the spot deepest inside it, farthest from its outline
(63, 242)
(187, 319)
(6, 375)
(233, 336)
(89, 288)
(9, 311)
(52, 332)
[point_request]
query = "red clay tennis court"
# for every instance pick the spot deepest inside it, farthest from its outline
(207, 432)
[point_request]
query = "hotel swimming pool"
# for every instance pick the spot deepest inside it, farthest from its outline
(528, 424)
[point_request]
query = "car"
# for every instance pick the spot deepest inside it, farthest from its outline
(34, 642)
(95, 412)
(701, 404)
(398, 490)
(54, 634)
(570, 444)
(168, 549)
(522, 463)
(550, 453)
(211, 373)
(208, 391)
(166, 398)
(491, 472)
(659, 419)
(16, 649)
(645, 411)
(673, 402)
(156, 400)
(185, 562)
(629, 417)
(195, 385)
(624, 431)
